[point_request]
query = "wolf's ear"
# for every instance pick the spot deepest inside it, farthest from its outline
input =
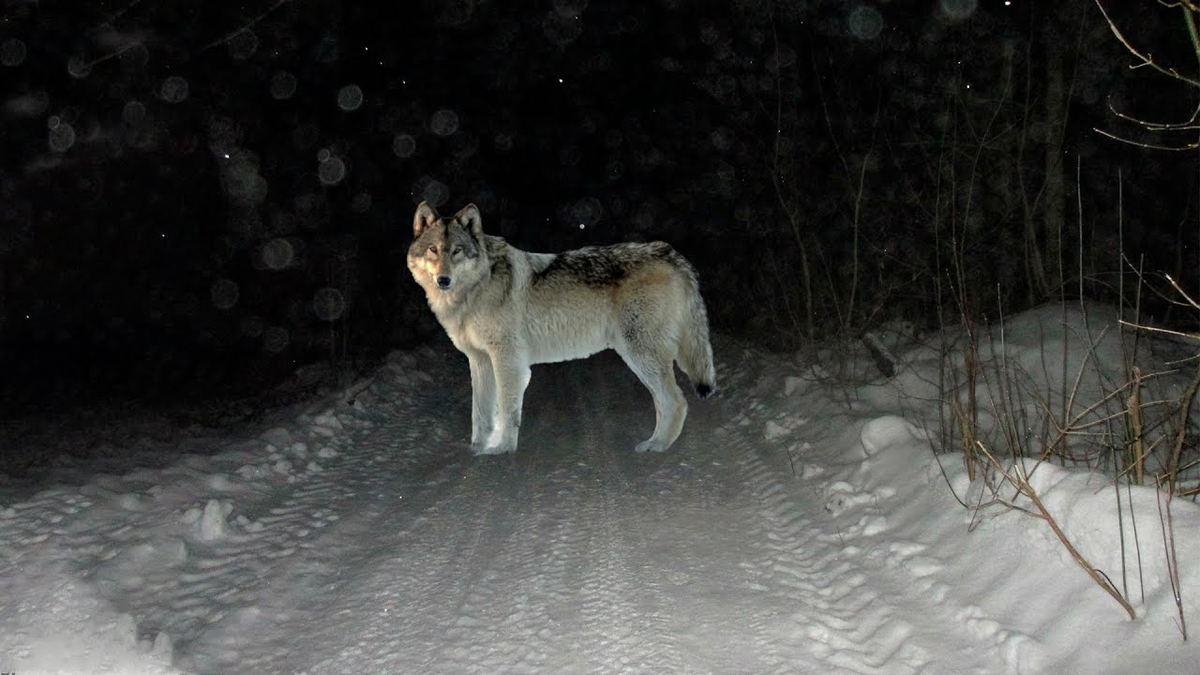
(426, 215)
(469, 217)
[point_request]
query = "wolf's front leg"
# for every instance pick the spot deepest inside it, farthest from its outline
(483, 400)
(512, 376)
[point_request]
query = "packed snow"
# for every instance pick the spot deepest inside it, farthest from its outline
(802, 524)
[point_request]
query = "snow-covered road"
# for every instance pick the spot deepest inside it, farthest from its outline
(577, 555)
(786, 532)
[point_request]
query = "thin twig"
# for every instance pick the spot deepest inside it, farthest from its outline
(245, 27)
(1023, 486)
(1135, 420)
(1143, 144)
(1168, 533)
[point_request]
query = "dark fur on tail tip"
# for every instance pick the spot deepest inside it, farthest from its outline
(704, 390)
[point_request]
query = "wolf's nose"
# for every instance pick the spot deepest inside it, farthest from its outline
(443, 282)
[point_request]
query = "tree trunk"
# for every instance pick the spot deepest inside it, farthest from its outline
(1054, 205)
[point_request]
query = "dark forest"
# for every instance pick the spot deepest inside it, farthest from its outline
(199, 198)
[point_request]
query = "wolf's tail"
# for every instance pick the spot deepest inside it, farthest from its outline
(695, 348)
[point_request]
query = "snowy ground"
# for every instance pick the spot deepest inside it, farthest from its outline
(800, 525)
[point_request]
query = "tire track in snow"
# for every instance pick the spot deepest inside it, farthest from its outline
(542, 562)
(547, 583)
(442, 591)
(813, 608)
(835, 614)
(853, 602)
(489, 619)
(621, 604)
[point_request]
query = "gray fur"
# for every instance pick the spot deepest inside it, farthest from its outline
(507, 309)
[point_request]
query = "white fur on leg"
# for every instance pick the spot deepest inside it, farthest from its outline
(650, 445)
(483, 400)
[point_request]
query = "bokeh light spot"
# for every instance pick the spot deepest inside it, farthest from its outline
(865, 22)
(174, 89)
(561, 29)
(12, 52)
(133, 113)
(283, 85)
(275, 339)
(331, 169)
(62, 135)
(587, 211)
(329, 304)
(242, 45)
(224, 293)
(78, 66)
(433, 191)
(958, 9)
(278, 253)
(350, 97)
(404, 145)
(444, 122)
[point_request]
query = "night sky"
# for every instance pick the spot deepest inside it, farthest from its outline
(198, 198)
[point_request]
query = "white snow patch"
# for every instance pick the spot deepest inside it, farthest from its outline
(792, 528)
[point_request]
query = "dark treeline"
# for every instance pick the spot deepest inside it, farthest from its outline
(211, 194)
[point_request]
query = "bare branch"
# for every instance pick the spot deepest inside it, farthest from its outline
(1145, 58)
(247, 26)
(1187, 125)
(1143, 144)
(1021, 483)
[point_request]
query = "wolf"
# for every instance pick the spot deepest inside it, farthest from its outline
(508, 309)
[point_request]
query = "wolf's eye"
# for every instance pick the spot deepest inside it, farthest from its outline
(457, 250)
(433, 250)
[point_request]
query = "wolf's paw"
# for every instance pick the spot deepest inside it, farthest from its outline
(499, 449)
(650, 445)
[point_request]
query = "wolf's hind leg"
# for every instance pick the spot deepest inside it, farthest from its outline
(670, 408)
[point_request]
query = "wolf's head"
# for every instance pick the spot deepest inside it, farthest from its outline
(447, 254)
